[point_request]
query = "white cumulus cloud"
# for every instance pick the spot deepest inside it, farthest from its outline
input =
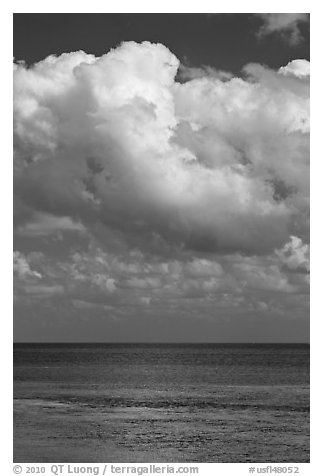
(211, 165)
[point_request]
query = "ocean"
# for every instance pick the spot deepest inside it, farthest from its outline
(220, 403)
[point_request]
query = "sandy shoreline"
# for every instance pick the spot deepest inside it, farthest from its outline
(54, 431)
(46, 431)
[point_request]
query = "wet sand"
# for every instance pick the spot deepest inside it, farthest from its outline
(53, 431)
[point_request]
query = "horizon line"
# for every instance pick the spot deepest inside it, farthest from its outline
(156, 342)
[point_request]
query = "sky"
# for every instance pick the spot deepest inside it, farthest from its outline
(161, 177)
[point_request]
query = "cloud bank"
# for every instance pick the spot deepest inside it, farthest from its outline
(208, 164)
(169, 189)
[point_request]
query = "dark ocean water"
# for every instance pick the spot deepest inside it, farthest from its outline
(161, 403)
